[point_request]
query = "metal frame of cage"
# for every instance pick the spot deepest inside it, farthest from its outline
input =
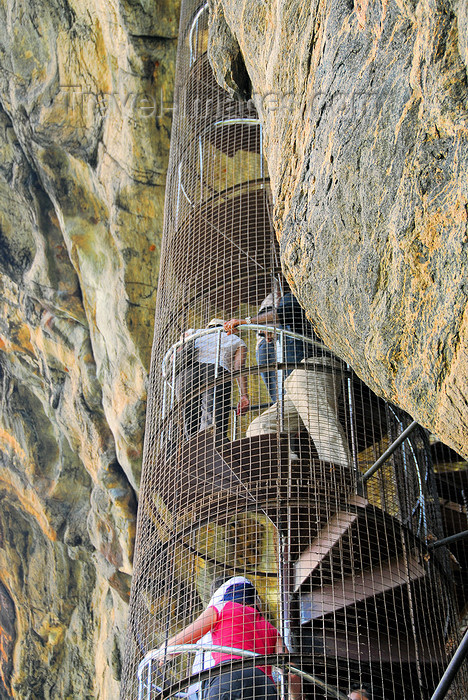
(145, 669)
(342, 555)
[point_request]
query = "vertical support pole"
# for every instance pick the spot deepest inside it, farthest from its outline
(179, 182)
(352, 423)
(216, 375)
(200, 156)
(173, 376)
(234, 426)
(164, 400)
(148, 682)
(162, 437)
(280, 388)
(140, 687)
(452, 669)
(262, 171)
(283, 608)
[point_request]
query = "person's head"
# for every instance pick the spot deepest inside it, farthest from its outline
(243, 593)
(216, 322)
(217, 583)
(237, 589)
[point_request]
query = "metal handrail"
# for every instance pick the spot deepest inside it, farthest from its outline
(388, 452)
(197, 140)
(161, 652)
(194, 26)
(171, 353)
(280, 663)
(256, 327)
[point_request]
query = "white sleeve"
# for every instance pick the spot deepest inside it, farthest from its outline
(218, 606)
(240, 343)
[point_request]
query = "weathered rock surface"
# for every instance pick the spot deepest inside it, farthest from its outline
(85, 90)
(365, 123)
(364, 107)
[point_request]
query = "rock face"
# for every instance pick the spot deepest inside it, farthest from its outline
(85, 96)
(365, 125)
(364, 107)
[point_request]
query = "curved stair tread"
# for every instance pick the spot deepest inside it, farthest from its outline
(327, 538)
(357, 537)
(363, 585)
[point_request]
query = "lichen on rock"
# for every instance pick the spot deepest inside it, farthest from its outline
(85, 117)
(364, 112)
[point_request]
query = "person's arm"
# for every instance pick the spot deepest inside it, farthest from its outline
(195, 631)
(237, 365)
(294, 681)
(264, 318)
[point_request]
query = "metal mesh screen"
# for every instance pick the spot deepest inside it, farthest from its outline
(269, 560)
(451, 479)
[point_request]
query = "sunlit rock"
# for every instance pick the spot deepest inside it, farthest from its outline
(364, 107)
(85, 115)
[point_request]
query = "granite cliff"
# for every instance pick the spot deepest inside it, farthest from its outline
(85, 114)
(366, 138)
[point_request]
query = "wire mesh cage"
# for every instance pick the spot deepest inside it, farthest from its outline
(285, 510)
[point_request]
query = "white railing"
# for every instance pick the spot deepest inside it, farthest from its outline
(169, 364)
(193, 33)
(148, 689)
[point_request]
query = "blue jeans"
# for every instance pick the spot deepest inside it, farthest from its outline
(266, 355)
(294, 351)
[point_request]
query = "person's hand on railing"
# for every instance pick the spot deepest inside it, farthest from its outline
(243, 405)
(165, 658)
(232, 325)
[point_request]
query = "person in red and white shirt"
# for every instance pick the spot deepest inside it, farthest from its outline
(234, 619)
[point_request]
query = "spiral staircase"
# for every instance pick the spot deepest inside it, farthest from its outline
(342, 557)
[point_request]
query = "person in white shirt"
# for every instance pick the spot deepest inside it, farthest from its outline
(205, 385)
(312, 389)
